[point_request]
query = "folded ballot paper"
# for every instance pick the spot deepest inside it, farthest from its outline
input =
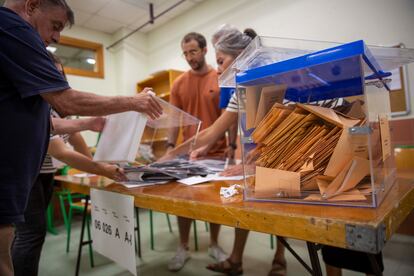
(308, 148)
(120, 137)
(122, 133)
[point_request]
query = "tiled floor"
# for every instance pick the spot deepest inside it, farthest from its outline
(398, 253)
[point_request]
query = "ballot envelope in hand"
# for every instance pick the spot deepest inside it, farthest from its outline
(122, 133)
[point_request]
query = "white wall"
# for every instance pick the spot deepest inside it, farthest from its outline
(380, 22)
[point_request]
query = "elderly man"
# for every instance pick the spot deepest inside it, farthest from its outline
(28, 82)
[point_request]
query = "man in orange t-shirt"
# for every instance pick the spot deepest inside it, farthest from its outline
(197, 93)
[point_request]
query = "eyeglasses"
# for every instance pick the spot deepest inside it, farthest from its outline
(191, 53)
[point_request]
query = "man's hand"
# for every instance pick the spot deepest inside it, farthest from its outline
(96, 123)
(146, 102)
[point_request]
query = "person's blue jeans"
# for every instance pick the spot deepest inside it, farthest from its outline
(30, 235)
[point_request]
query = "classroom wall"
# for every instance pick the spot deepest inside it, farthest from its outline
(378, 22)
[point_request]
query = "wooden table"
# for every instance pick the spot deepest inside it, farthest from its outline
(362, 229)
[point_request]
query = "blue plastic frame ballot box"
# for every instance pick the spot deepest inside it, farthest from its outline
(314, 120)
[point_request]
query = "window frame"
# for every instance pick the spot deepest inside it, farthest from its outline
(84, 44)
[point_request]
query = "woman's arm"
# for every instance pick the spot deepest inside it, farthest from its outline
(208, 136)
(60, 151)
(79, 144)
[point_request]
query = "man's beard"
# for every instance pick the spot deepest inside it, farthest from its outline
(196, 65)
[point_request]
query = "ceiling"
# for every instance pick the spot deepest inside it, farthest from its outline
(110, 15)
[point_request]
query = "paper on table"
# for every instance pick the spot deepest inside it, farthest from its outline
(210, 177)
(137, 184)
(121, 137)
(84, 175)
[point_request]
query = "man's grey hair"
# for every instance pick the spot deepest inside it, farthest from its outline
(53, 3)
(60, 3)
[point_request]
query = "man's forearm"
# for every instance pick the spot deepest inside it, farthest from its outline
(72, 102)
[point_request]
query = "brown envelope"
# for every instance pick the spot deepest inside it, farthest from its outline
(341, 155)
(252, 101)
(269, 96)
(357, 110)
(347, 147)
(355, 172)
(272, 182)
(327, 114)
(337, 182)
(353, 195)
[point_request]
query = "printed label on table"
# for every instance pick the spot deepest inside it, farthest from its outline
(113, 227)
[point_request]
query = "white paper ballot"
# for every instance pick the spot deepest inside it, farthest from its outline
(121, 137)
(194, 180)
(113, 227)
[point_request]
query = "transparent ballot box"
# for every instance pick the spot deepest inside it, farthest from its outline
(314, 120)
(131, 136)
(156, 133)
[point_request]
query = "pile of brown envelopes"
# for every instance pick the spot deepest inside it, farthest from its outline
(306, 151)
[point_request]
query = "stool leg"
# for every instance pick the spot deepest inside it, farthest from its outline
(169, 223)
(63, 210)
(88, 221)
(206, 224)
(195, 235)
(272, 245)
(68, 229)
(151, 230)
(138, 232)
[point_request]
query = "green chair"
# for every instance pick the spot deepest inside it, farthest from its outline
(151, 215)
(195, 233)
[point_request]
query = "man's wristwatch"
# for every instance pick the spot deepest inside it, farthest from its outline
(233, 145)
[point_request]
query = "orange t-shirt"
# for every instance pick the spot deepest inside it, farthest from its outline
(198, 95)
